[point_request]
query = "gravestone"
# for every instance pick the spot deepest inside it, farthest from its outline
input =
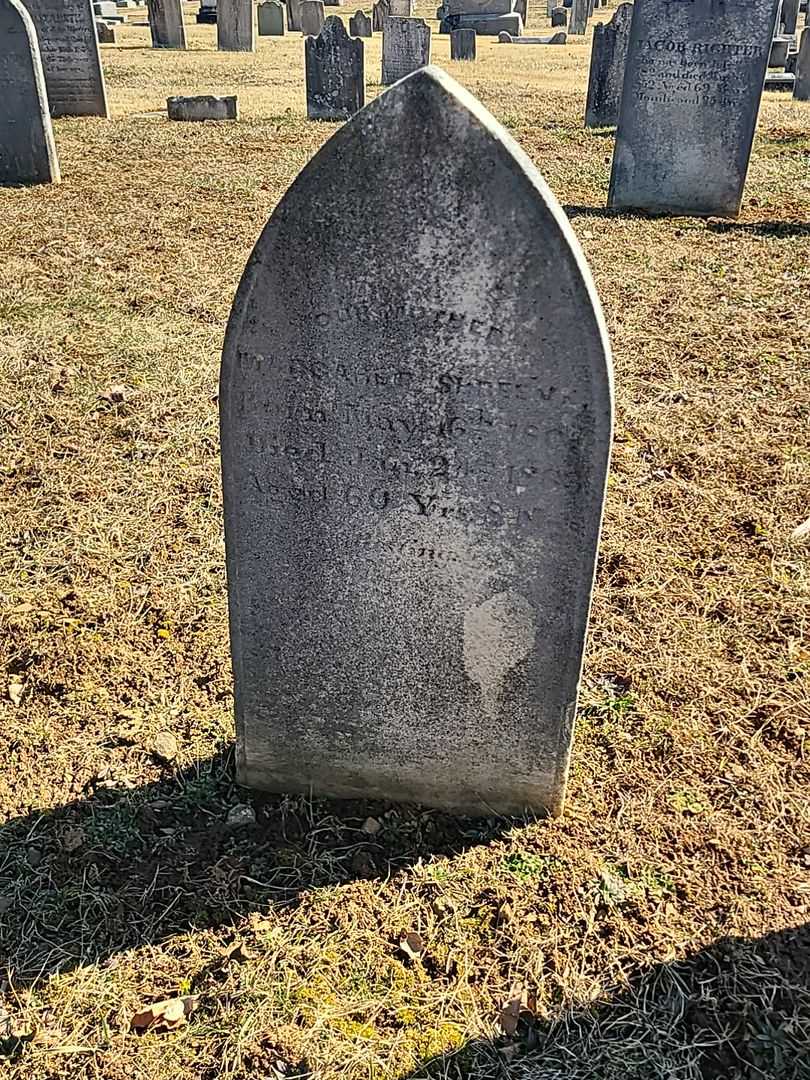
(415, 427)
(608, 55)
(68, 47)
(312, 17)
(270, 18)
(693, 81)
(236, 28)
(166, 24)
(462, 44)
(334, 73)
(202, 107)
(801, 85)
(107, 9)
(578, 21)
(27, 149)
(402, 9)
(105, 33)
(777, 57)
(521, 8)
(360, 25)
(405, 47)
(552, 39)
(790, 16)
(559, 16)
(379, 11)
(293, 15)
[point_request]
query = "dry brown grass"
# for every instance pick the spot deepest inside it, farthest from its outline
(638, 918)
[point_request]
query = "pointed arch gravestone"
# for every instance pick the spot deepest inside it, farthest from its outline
(606, 75)
(334, 73)
(166, 24)
(692, 86)
(27, 149)
(416, 415)
(71, 61)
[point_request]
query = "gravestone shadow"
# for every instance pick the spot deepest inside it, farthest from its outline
(127, 866)
(737, 1010)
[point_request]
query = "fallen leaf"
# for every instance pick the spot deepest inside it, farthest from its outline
(522, 1005)
(15, 691)
(164, 1015)
(411, 944)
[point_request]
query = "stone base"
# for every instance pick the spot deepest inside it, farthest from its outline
(780, 81)
(553, 39)
(483, 24)
(202, 107)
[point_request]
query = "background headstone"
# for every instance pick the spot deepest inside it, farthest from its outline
(105, 33)
(166, 24)
(405, 47)
(360, 25)
(270, 18)
(415, 428)
(693, 81)
(293, 15)
(608, 55)
(236, 27)
(462, 44)
(312, 17)
(403, 9)
(790, 16)
(334, 73)
(578, 21)
(801, 86)
(378, 14)
(27, 149)
(202, 107)
(559, 16)
(68, 46)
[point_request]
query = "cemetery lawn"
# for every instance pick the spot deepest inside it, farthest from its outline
(657, 929)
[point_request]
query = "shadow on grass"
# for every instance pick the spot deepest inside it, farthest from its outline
(124, 868)
(738, 1010)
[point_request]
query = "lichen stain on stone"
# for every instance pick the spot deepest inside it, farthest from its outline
(498, 635)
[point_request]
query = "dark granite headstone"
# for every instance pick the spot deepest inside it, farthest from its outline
(608, 55)
(462, 45)
(105, 33)
(559, 16)
(334, 73)
(360, 25)
(405, 47)
(68, 46)
(27, 150)
(166, 24)
(692, 86)
(415, 428)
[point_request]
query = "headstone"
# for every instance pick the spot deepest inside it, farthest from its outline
(559, 16)
(801, 86)
(552, 39)
(68, 46)
(379, 11)
(27, 149)
(106, 9)
(522, 9)
(692, 85)
(578, 22)
(405, 47)
(790, 16)
(779, 51)
(478, 7)
(105, 33)
(236, 28)
(484, 25)
(270, 18)
(166, 24)
(360, 25)
(334, 73)
(402, 9)
(203, 107)
(414, 468)
(608, 55)
(312, 17)
(333, 3)
(462, 45)
(293, 15)
(550, 4)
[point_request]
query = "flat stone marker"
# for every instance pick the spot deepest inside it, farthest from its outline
(801, 85)
(414, 468)
(360, 25)
(68, 46)
(202, 107)
(27, 149)
(559, 16)
(692, 86)
(334, 73)
(312, 17)
(270, 18)
(236, 28)
(608, 56)
(553, 39)
(405, 47)
(462, 45)
(166, 24)
(578, 22)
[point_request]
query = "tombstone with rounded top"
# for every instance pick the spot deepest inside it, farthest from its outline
(462, 44)
(27, 149)
(608, 56)
(293, 15)
(559, 16)
(360, 25)
(271, 18)
(405, 47)
(415, 427)
(335, 77)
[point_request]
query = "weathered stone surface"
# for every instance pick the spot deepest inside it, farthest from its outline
(360, 25)
(166, 24)
(405, 47)
(693, 82)
(462, 45)
(484, 25)
(106, 9)
(379, 11)
(608, 55)
(578, 21)
(271, 17)
(27, 150)
(312, 17)
(551, 39)
(334, 73)
(236, 27)
(68, 46)
(780, 80)
(521, 8)
(293, 15)
(559, 16)
(416, 422)
(779, 51)
(105, 33)
(790, 16)
(202, 107)
(402, 9)
(801, 86)
(478, 7)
